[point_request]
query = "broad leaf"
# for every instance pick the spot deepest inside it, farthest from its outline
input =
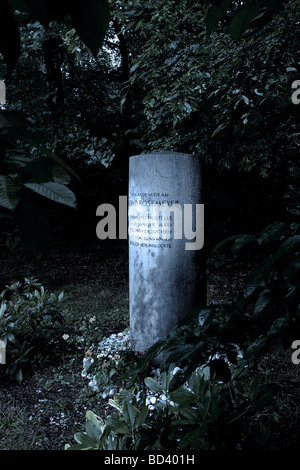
(91, 19)
(94, 427)
(86, 442)
(9, 193)
(182, 396)
(55, 192)
(153, 385)
(263, 300)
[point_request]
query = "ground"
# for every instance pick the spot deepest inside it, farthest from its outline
(47, 409)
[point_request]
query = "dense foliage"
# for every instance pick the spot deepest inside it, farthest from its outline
(28, 314)
(198, 93)
(213, 79)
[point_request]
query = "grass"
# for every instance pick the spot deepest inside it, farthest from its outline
(109, 305)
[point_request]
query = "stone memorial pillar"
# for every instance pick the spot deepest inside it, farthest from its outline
(166, 236)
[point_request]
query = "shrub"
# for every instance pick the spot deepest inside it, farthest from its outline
(28, 315)
(202, 414)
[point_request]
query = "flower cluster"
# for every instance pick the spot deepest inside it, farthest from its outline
(161, 398)
(105, 363)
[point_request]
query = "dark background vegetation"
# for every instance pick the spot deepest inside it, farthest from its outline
(159, 82)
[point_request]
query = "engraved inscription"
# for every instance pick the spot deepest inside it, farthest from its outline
(148, 225)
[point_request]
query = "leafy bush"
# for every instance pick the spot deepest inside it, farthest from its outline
(28, 316)
(211, 406)
(202, 414)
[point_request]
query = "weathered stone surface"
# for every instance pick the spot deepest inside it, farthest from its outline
(165, 273)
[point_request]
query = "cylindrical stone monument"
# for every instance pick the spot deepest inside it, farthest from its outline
(166, 237)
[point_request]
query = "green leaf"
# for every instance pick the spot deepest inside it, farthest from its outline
(243, 18)
(19, 375)
(204, 314)
(165, 381)
(273, 231)
(287, 246)
(132, 413)
(153, 385)
(263, 300)
(115, 403)
(9, 193)
(255, 348)
(182, 396)
(225, 242)
(117, 424)
(142, 416)
(219, 128)
(179, 353)
(91, 19)
(189, 413)
(94, 427)
(86, 442)
(242, 241)
(55, 192)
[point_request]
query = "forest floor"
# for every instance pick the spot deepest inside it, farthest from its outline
(49, 406)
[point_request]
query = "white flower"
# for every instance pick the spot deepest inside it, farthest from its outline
(65, 337)
(92, 319)
(153, 400)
